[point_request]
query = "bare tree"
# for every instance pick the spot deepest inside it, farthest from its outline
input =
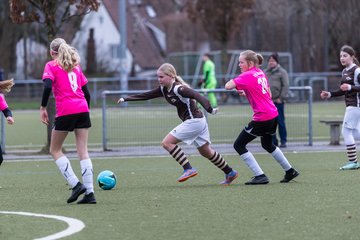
(220, 19)
(52, 14)
(10, 33)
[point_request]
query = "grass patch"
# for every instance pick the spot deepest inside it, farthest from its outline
(148, 203)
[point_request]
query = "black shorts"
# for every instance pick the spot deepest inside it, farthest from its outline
(259, 129)
(73, 121)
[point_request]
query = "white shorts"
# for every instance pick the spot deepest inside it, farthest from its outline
(352, 118)
(192, 131)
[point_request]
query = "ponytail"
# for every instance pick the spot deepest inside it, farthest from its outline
(252, 56)
(6, 85)
(68, 58)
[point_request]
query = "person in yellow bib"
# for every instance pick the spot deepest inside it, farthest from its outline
(209, 79)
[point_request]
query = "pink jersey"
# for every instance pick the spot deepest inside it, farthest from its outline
(66, 87)
(3, 104)
(256, 87)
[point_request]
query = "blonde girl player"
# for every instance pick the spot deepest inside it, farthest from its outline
(65, 78)
(253, 84)
(193, 129)
(5, 87)
(350, 87)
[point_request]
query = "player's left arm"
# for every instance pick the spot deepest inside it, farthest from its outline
(8, 115)
(230, 85)
(284, 86)
(353, 88)
(191, 93)
(86, 94)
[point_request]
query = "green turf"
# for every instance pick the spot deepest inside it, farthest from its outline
(148, 203)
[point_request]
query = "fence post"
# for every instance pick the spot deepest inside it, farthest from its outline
(104, 130)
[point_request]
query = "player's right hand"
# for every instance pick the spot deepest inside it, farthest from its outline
(121, 100)
(324, 94)
(215, 111)
(241, 93)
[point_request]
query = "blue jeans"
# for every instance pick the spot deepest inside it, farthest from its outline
(281, 124)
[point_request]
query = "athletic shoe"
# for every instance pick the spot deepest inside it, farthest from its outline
(261, 179)
(290, 175)
(88, 199)
(350, 166)
(231, 176)
(76, 192)
(188, 173)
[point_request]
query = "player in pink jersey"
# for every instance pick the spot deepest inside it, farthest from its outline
(5, 87)
(253, 83)
(64, 77)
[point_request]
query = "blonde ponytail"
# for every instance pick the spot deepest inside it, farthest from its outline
(68, 58)
(6, 85)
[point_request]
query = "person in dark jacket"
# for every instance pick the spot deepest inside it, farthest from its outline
(279, 85)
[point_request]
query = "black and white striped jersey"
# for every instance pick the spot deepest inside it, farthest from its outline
(351, 76)
(182, 97)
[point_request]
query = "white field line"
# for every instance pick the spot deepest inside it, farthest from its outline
(74, 225)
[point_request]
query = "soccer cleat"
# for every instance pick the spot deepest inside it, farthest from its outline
(76, 192)
(188, 173)
(88, 199)
(231, 176)
(290, 175)
(261, 179)
(350, 166)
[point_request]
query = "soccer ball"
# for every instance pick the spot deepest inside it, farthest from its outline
(106, 180)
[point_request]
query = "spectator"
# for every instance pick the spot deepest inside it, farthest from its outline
(279, 85)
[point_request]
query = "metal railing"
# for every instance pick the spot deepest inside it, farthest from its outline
(107, 108)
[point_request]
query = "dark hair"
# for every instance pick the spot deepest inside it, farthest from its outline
(349, 50)
(207, 55)
(274, 56)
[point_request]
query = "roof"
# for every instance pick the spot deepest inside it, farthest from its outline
(142, 38)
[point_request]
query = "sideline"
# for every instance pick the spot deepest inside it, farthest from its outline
(75, 225)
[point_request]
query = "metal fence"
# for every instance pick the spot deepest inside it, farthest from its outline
(146, 123)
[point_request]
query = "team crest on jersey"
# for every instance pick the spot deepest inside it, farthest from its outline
(173, 100)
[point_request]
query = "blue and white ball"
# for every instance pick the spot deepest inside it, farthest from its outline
(106, 180)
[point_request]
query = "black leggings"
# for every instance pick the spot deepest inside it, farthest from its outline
(244, 138)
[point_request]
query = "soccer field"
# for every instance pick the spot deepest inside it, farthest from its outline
(148, 203)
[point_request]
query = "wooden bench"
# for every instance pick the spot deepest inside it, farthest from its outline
(334, 130)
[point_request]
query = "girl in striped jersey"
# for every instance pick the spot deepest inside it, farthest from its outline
(350, 87)
(193, 129)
